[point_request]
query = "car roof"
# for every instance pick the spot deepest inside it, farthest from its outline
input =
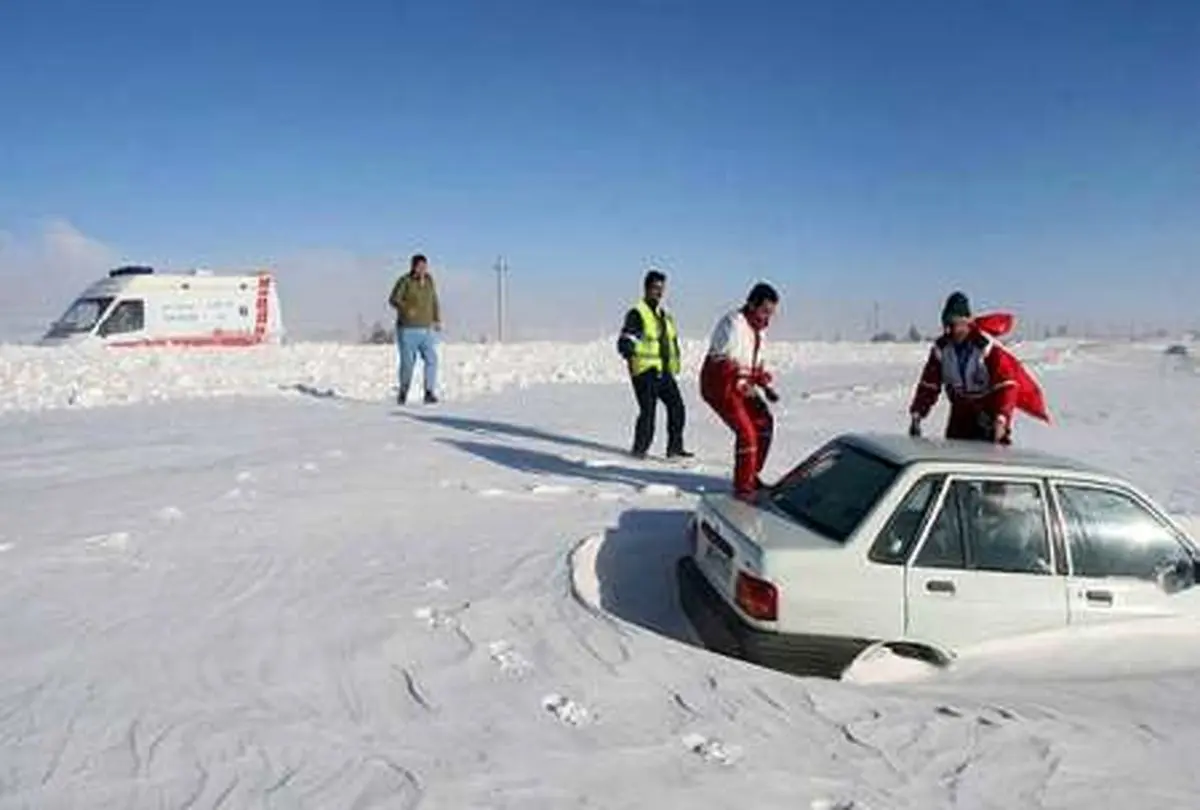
(905, 450)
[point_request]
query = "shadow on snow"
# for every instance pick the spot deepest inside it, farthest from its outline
(635, 568)
(486, 426)
(526, 460)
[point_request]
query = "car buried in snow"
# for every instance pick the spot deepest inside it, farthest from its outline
(925, 547)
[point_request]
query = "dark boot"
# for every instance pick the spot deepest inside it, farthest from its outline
(430, 398)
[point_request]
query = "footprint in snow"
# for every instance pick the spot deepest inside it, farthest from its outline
(335, 454)
(437, 617)
(550, 489)
(833, 804)
(711, 750)
(492, 492)
(116, 541)
(7, 547)
(244, 477)
(437, 585)
(310, 467)
(566, 710)
(170, 514)
(508, 659)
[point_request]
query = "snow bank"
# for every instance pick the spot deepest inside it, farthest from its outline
(1152, 646)
(34, 378)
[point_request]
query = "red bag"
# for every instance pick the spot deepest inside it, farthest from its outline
(1030, 398)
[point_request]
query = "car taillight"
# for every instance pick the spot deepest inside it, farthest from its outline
(757, 598)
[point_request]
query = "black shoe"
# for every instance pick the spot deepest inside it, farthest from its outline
(680, 454)
(640, 455)
(401, 399)
(430, 398)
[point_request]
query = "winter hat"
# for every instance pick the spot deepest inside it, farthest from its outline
(957, 306)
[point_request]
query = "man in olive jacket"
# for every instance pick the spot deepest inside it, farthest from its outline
(418, 319)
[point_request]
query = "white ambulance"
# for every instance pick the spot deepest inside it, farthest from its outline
(134, 306)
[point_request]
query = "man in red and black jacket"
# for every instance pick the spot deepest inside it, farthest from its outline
(980, 377)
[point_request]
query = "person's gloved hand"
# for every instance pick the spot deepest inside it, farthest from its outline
(770, 394)
(762, 378)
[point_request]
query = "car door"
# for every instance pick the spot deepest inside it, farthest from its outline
(1117, 547)
(986, 567)
(126, 318)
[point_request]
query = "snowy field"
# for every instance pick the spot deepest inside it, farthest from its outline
(255, 596)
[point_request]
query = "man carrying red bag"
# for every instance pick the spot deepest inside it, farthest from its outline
(734, 384)
(985, 383)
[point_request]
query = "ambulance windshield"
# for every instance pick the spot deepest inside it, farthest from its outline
(81, 318)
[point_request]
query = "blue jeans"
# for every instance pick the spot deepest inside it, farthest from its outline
(411, 342)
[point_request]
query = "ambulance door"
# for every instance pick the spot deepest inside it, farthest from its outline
(126, 320)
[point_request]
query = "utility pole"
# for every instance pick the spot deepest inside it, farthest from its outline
(501, 268)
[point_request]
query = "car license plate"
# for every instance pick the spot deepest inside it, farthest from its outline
(718, 563)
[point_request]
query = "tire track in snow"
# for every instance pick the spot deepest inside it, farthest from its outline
(67, 737)
(413, 689)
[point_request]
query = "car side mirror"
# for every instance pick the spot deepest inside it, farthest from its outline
(1176, 576)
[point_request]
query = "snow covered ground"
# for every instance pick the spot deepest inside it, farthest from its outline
(274, 599)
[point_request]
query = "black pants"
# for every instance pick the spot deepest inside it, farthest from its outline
(649, 387)
(975, 427)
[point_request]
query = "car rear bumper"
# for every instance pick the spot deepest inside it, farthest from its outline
(722, 630)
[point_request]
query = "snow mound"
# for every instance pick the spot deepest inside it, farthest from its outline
(1140, 648)
(34, 378)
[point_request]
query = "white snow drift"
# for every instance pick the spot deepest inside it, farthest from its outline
(37, 378)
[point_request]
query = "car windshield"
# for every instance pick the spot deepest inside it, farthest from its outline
(834, 489)
(80, 318)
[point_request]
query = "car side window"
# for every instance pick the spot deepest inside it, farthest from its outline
(943, 546)
(1005, 524)
(1110, 534)
(895, 542)
(127, 316)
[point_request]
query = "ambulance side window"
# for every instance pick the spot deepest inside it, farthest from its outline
(127, 316)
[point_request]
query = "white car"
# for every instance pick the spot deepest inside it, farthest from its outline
(925, 547)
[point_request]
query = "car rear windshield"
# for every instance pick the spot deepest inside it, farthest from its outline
(834, 489)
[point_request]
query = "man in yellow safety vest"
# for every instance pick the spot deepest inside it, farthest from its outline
(649, 343)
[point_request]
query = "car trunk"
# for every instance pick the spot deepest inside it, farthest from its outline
(733, 535)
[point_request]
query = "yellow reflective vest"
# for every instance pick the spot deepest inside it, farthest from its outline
(647, 352)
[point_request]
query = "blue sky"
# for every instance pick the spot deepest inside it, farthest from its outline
(1043, 154)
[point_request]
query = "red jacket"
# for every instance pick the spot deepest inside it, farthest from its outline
(734, 363)
(1003, 385)
(978, 375)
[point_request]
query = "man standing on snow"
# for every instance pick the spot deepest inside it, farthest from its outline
(734, 383)
(649, 343)
(418, 320)
(980, 377)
